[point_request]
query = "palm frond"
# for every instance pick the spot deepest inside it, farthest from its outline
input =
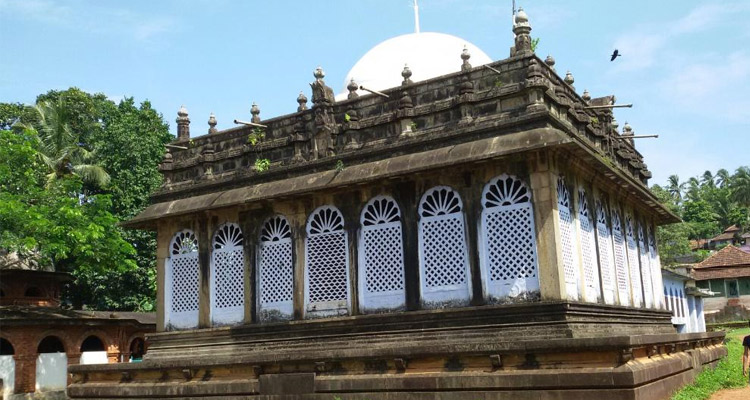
(93, 174)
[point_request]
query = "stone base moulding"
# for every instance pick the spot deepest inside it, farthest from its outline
(556, 350)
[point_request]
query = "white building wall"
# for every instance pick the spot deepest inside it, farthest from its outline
(51, 372)
(8, 374)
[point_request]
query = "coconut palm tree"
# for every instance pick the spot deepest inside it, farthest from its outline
(675, 188)
(722, 178)
(60, 148)
(707, 179)
(693, 191)
(740, 186)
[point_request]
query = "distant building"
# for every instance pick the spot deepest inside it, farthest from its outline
(38, 339)
(685, 300)
(727, 274)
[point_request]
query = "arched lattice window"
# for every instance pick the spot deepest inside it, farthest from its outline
(588, 249)
(648, 286)
(443, 257)
(182, 284)
(507, 239)
(567, 239)
(326, 264)
(381, 256)
(606, 261)
(227, 276)
(633, 263)
(275, 270)
(655, 265)
(621, 260)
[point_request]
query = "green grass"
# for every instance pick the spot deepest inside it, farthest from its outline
(726, 375)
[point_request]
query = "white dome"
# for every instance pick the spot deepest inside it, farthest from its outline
(428, 54)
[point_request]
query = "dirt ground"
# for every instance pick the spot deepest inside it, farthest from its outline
(732, 394)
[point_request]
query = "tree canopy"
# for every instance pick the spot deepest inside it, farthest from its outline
(54, 211)
(707, 204)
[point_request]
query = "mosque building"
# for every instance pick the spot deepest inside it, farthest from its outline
(448, 227)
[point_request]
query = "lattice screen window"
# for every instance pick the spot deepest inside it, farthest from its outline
(655, 265)
(182, 280)
(588, 249)
(621, 260)
(648, 292)
(275, 270)
(443, 258)
(508, 242)
(326, 263)
(606, 261)
(227, 275)
(633, 263)
(567, 239)
(381, 256)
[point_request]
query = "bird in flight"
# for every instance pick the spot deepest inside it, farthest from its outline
(615, 54)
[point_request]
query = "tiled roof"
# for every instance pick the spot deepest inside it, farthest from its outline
(729, 256)
(721, 273)
(728, 234)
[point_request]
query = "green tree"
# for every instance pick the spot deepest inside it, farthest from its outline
(61, 148)
(675, 188)
(740, 186)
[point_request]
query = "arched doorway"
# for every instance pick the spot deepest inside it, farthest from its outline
(137, 350)
(7, 367)
(51, 365)
(93, 351)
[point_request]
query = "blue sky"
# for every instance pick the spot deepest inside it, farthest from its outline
(685, 64)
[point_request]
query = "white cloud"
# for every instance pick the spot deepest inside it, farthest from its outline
(82, 16)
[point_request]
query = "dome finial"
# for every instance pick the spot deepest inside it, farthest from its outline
(522, 30)
(212, 124)
(255, 111)
(302, 101)
(416, 17)
(352, 88)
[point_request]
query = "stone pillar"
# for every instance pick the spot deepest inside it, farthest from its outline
(471, 196)
(297, 222)
(407, 198)
(350, 211)
(163, 236)
(204, 262)
(251, 225)
(543, 182)
(183, 125)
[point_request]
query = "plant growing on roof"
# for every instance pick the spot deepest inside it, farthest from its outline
(256, 136)
(534, 44)
(262, 164)
(339, 166)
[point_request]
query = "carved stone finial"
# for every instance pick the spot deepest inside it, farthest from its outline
(406, 74)
(405, 101)
(255, 111)
(465, 56)
(319, 74)
(302, 101)
(615, 125)
(586, 96)
(569, 78)
(167, 159)
(522, 30)
(352, 88)
(183, 124)
(550, 61)
(322, 94)
(212, 124)
(627, 130)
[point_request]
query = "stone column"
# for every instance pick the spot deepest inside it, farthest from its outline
(407, 198)
(297, 223)
(471, 197)
(543, 182)
(163, 236)
(204, 262)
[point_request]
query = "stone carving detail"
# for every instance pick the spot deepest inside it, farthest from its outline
(324, 138)
(381, 256)
(227, 280)
(522, 30)
(508, 242)
(444, 266)
(275, 270)
(465, 56)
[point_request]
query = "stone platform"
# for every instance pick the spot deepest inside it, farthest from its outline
(555, 350)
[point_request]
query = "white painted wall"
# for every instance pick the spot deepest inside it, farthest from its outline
(51, 372)
(94, 357)
(8, 374)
